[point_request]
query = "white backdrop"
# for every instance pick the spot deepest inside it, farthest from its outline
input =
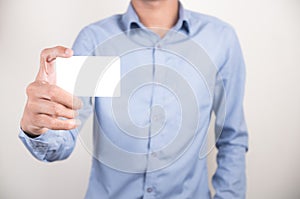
(269, 32)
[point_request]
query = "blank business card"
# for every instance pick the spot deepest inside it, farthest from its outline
(89, 76)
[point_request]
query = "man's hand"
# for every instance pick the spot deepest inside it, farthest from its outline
(46, 102)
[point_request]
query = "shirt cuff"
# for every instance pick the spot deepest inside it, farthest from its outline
(37, 146)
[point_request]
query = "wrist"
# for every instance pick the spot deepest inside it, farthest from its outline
(31, 135)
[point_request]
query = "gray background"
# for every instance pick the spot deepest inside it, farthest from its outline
(269, 33)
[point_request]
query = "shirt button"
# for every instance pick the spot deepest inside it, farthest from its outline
(149, 189)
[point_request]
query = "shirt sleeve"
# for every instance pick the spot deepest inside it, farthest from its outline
(231, 133)
(56, 145)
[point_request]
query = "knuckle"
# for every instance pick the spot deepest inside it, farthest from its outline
(30, 88)
(70, 125)
(34, 88)
(65, 112)
(44, 52)
(53, 123)
(56, 110)
(57, 47)
(70, 114)
(73, 114)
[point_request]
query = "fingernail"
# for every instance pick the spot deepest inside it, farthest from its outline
(77, 122)
(77, 103)
(68, 51)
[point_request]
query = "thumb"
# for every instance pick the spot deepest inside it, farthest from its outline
(47, 67)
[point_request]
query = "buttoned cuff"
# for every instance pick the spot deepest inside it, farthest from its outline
(37, 146)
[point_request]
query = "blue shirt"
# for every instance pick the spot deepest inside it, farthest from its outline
(151, 141)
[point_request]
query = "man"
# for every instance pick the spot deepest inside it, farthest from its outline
(170, 31)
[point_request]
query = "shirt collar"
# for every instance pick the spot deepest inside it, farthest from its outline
(130, 20)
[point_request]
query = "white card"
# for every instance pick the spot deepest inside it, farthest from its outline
(89, 76)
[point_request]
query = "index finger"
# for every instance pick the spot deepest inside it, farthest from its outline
(60, 96)
(48, 55)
